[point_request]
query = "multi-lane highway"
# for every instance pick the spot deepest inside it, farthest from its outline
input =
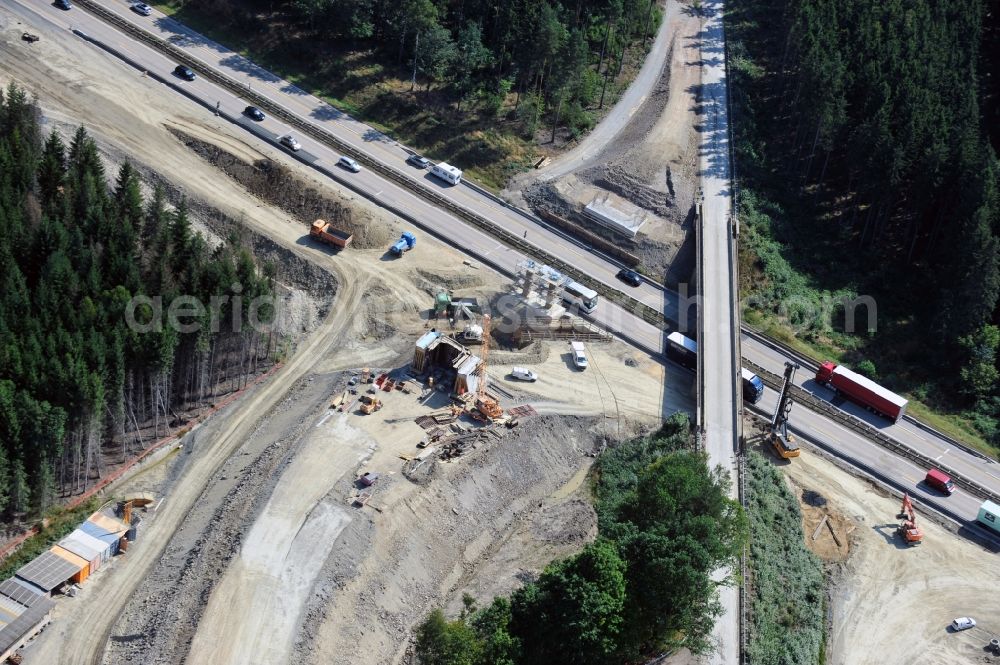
(718, 321)
(912, 433)
(358, 135)
(444, 224)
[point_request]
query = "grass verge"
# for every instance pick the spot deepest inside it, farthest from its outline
(786, 579)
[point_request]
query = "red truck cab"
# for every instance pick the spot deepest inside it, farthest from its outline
(940, 481)
(825, 372)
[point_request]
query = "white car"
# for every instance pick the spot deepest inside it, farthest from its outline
(349, 164)
(523, 374)
(963, 623)
(579, 355)
(289, 142)
(141, 8)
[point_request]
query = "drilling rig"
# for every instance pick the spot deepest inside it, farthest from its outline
(783, 442)
(908, 529)
(484, 403)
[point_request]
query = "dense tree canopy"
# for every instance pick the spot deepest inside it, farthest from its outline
(665, 525)
(859, 131)
(73, 254)
(555, 55)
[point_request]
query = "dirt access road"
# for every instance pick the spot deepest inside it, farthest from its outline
(891, 603)
(128, 116)
(621, 115)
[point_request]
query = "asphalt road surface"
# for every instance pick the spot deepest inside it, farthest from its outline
(620, 116)
(459, 233)
(719, 320)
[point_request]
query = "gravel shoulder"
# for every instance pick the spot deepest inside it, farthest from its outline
(253, 554)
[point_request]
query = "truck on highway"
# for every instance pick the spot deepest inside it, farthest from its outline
(327, 234)
(753, 387)
(682, 350)
(989, 516)
(447, 172)
(862, 390)
(579, 295)
(404, 244)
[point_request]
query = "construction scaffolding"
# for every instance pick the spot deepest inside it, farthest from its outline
(539, 286)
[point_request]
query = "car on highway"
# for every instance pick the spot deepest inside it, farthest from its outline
(418, 161)
(630, 277)
(523, 374)
(963, 623)
(349, 164)
(254, 113)
(183, 72)
(141, 8)
(63, 4)
(289, 142)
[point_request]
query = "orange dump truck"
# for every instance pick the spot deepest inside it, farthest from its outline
(328, 234)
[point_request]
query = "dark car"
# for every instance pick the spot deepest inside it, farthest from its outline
(184, 72)
(63, 4)
(630, 277)
(254, 113)
(418, 161)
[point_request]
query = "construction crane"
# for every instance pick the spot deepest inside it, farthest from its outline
(484, 403)
(783, 442)
(908, 529)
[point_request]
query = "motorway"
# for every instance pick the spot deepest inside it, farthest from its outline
(920, 439)
(358, 135)
(907, 476)
(447, 226)
(719, 369)
(443, 224)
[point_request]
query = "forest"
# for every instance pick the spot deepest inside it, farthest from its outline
(643, 587)
(80, 388)
(459, 79)
(865, 167)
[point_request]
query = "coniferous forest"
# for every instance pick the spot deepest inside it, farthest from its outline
(866, 168)
(80, 387)
(471, 82)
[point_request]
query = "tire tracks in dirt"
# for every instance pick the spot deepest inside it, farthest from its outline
(85, 641)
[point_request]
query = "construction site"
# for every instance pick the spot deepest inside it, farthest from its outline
(430, 430)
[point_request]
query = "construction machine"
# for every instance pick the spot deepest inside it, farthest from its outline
(783, 442)
(908, 529)
(486, 405)
(369, 404)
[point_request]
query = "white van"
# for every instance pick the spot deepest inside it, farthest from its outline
(447, 172)
(579, 355)
(523, 374)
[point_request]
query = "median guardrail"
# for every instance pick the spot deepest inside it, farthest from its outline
(811, 364)
(871, 433)
(648, 314)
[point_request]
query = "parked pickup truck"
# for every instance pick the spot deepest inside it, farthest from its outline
(329, 235)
